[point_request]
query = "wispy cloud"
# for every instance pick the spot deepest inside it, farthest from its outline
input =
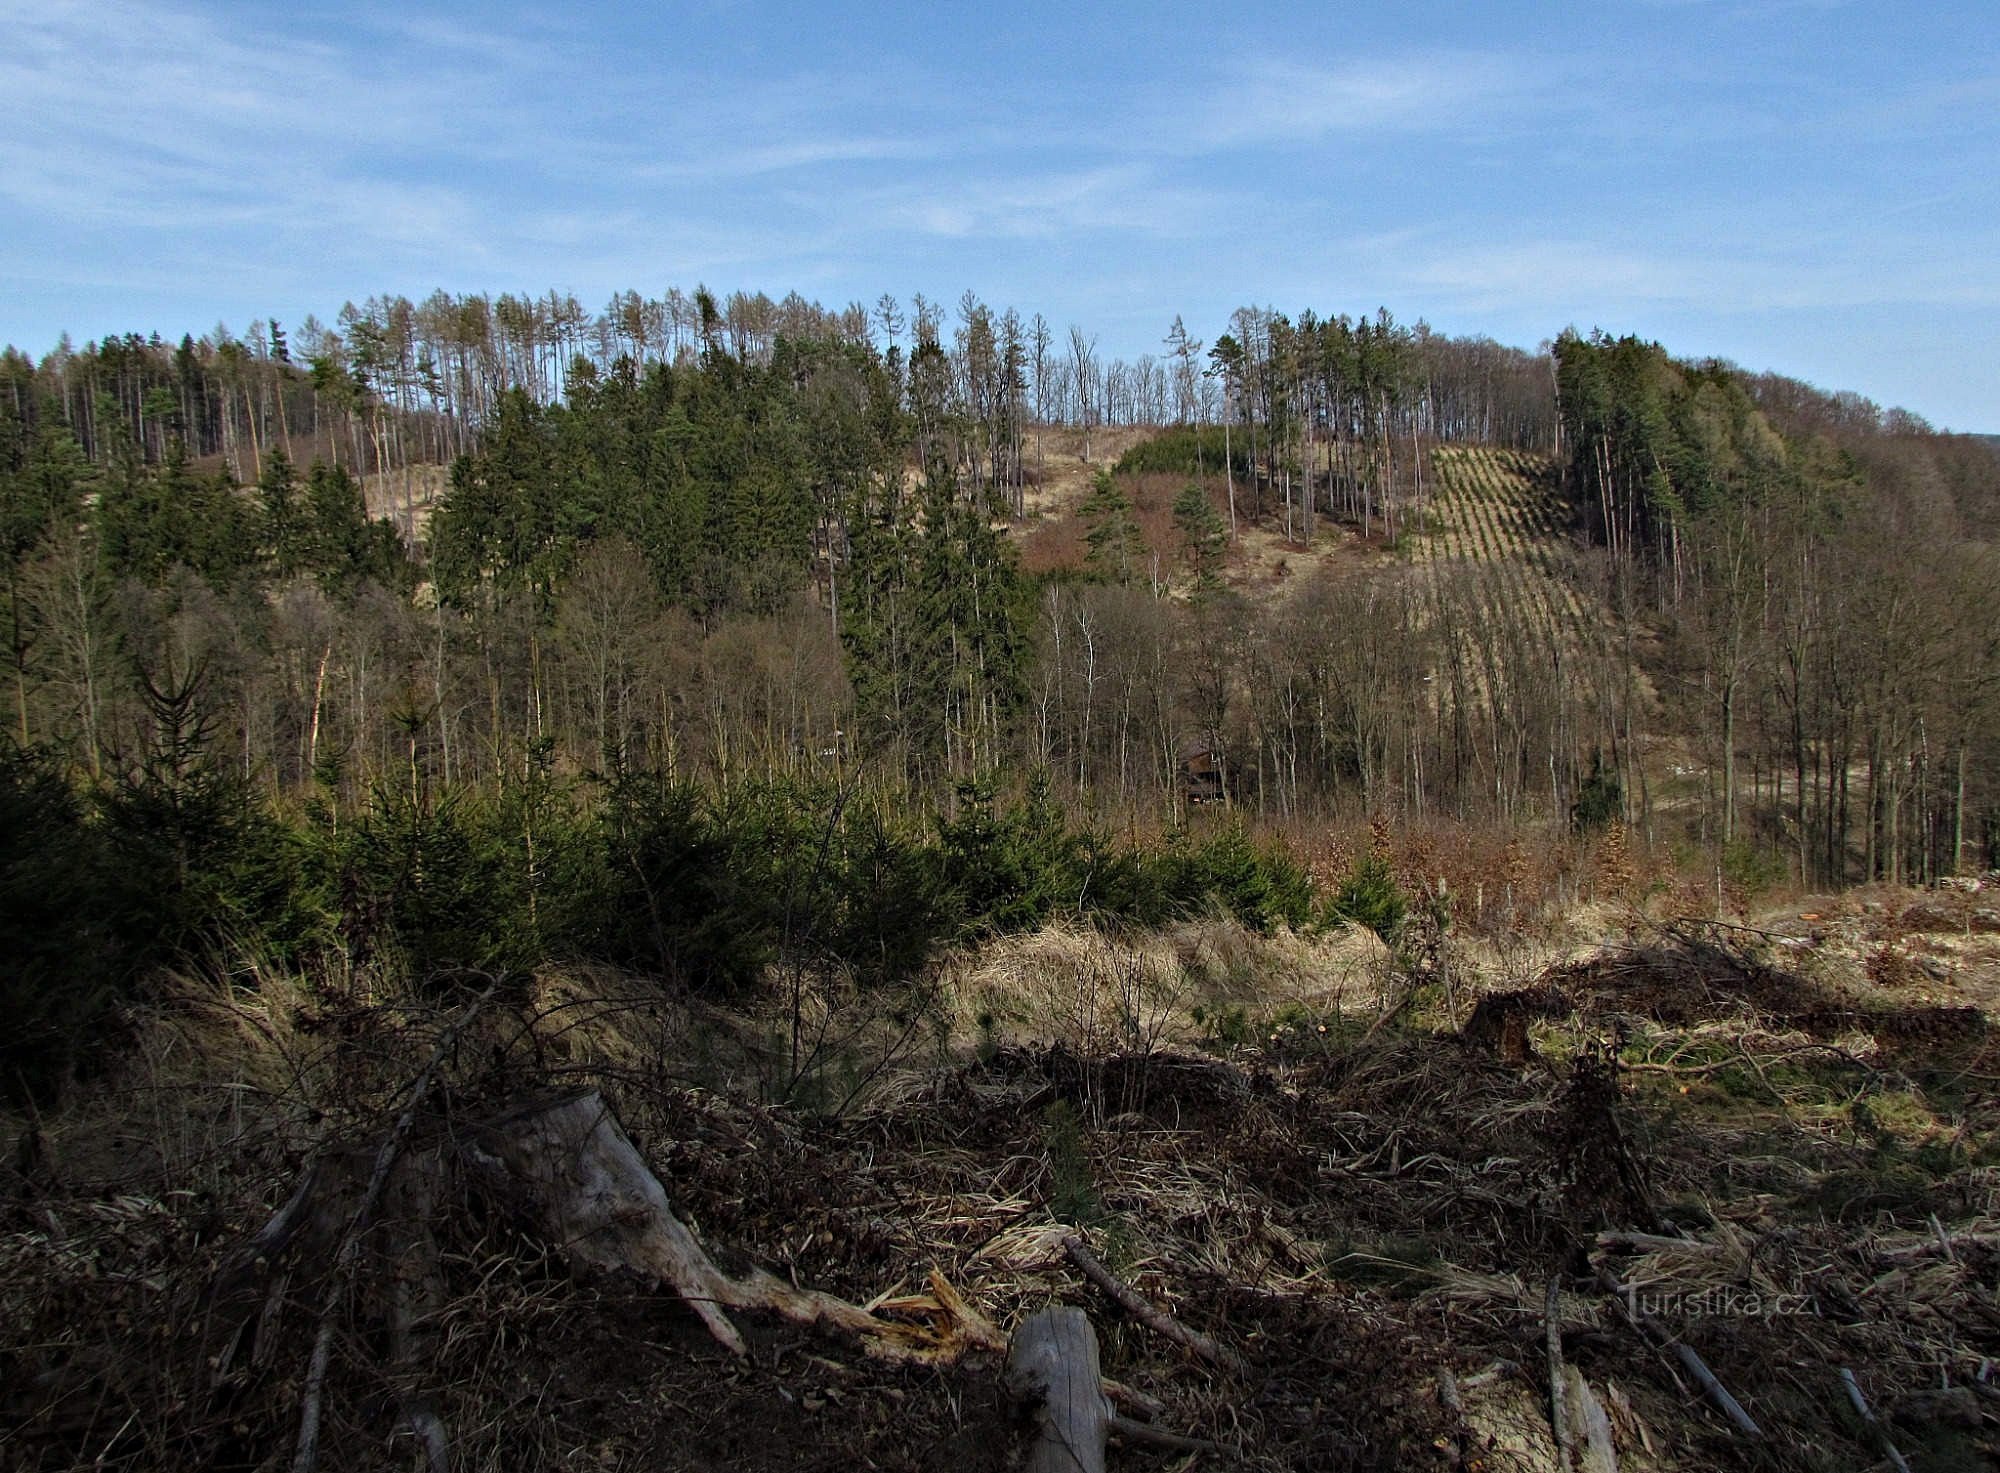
(156, 136)
(785, 154)
(1119, 197)
(154, 118)
(1702, 161)
(1298, 102)
(1576, 279)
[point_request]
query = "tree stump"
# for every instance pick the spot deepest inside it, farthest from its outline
(367, 1236)
(1053, 1365)
(594, 1193)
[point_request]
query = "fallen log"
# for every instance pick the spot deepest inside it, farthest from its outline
(1872, 1423)
(1210, 1350)
(1142, 1434)
(1943, 1243)
(1693, 1364)
(1595, 1452)
(416, 1294)
(1136, 1404)
(1558, 1393)
(594, 1194)
(249, 1289)
(1053, 1366)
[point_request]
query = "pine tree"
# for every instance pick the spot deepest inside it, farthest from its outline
(41, 492)
(285, 534)
(1114, 540)
(1203, 537)
(336, 530)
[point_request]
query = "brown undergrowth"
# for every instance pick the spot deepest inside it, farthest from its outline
(1287, 1144)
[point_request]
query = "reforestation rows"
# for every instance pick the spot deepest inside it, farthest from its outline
(1495, 516)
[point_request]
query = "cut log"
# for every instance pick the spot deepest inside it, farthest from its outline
(1589, 1422)
(1053, 1367)
(574, 1166)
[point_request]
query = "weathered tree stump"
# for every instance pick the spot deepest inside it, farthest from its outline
(1053, 1366)
(569, 1167)
(573, 1164)
(582, 1177)
(364, 1226)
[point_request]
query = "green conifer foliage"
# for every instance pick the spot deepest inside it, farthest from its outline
(63, 958)
(284, 536)
(1203, 536)
(1116, 548)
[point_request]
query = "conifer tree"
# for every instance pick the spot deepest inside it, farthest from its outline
(285, 534)
(1203, 537)
(336, 526)
(1113, 538)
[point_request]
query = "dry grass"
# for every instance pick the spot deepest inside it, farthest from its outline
(1062, 476)
(407, 497)
(1261, 561)
(1096, 992)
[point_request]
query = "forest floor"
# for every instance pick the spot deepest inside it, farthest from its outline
(1054, 455)
(1360, 1170)
(407, 497)
(1489, 514)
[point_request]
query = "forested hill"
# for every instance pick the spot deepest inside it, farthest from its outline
(737, 456)
(847, 484)
(730, 546)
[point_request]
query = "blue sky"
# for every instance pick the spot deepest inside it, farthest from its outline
(1809, 187)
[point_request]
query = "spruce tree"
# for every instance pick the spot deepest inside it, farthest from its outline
(1115, 544)
(336, 530)
(1203, 537)
(285, 533)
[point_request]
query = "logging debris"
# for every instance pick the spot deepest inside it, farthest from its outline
(1755, 1166)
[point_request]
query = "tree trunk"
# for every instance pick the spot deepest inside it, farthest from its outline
(1959, 811)
(256, 445)
(563, 1163)
(1229, 470)
(1729, 756)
